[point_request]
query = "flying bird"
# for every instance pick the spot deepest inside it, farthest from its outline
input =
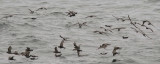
(9, 50)
(114, 52)
(61, 44)
(29, 49)
(11, 58)
(104, 46)
(119, 28)
(56, 50)
(77, 48)
(64, 38)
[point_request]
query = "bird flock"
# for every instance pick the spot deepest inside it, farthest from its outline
(76, 47)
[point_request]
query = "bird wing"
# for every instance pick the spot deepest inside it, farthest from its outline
(61, 44)
(56, 49)
(75, 45)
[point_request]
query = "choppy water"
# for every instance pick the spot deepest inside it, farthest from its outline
(42, 34)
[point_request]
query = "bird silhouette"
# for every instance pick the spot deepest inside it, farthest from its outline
(114, 52)
(77, 48)
(61, 44)
(56, 50)
(9, 50)
(104, 45)
(11, 58)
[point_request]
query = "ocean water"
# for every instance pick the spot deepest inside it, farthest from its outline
(42, 34)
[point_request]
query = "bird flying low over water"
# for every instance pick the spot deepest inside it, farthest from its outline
(9, 50)
(77, 48)
(104, 45)
(61, 44)
(114, 52)
(56, 50)
(11, 58)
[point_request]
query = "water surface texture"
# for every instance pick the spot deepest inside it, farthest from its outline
(42, 34)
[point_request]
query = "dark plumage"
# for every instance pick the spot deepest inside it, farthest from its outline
(31, 12)
(103, 53)
(56, 50)
(61, 44)
(115, 60)
(11, 58)
(71, 13)
(114, 52)
(104, 46)
(63, 37)
(77, 48)
(124, 37)
(29, 49)
(9, 50)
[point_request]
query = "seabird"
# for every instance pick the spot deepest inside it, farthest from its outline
(29, 49)
(108, 26)
(103, 53)
(77, 48)
(124, 37)
(71, 13)
(104, 45)
(119, 28)
(9, 50)
(90, 16)
(115, 60)
(31, 12)
(106, 29)
(63, 37)
(148, 28)
(100, 32)
(11, 58)
(61, 44)
(42, 8)
(56, 50)
(27, 54)
(114, 52)
(149, 23)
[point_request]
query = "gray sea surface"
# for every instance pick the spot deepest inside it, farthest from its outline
(42, 34)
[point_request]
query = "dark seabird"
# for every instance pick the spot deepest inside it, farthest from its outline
(119, 28)
(124, 37)
(90, 16)
(61, 44)
(115, 60)
(103, 53)
(106, 29)
(27, 54)
(148, 28)
(11, 58)
(71, 13)
(77, 48)
(114, 52)
(149, 23)
(29, 49)
(56, 50)
(108, 26)
(104, 46)
(9, 50)
(42, 8)
(100, 32)
(31, 12)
